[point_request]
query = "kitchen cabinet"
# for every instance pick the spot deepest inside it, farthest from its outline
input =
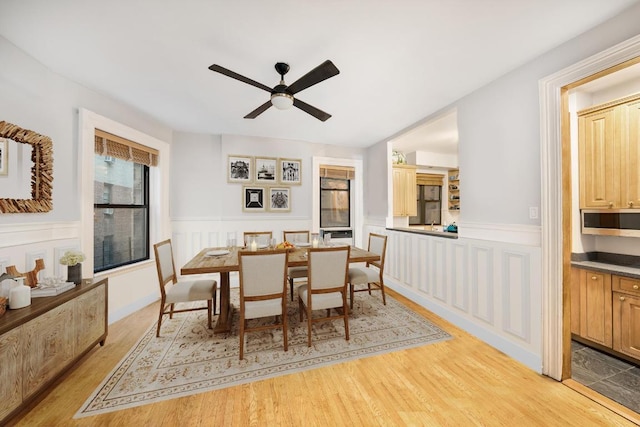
(626, 316)
(608, 137)
(594, 300)
(404, 190)
(454, 189)
(40, 342)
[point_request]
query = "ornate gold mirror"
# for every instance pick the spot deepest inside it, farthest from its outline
(41, 171)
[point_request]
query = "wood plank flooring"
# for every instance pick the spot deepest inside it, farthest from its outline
(458, 382)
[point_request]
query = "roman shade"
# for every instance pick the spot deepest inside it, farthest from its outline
(428, 179)
(107, 144)
(337, 172)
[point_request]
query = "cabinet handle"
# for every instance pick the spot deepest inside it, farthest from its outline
(594, 278)
(622, 298)
(610, 204)
(630, 204)
(636, 287)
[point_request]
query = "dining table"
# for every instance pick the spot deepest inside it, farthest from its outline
(225, 261)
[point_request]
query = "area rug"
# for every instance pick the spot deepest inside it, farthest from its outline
(188, 358)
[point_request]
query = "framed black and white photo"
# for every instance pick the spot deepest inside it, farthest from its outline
(253, 199)
(240, 169)
(290, 171)
(266, 170)
(4, 159)
(279, 199)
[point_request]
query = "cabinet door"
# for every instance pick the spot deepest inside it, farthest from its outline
(599, 152)
(399, 194)
(631, 159)
(626, 324)
(48, 347)
(90, 317)
(10, 371)
(575, 301)
(595, 307)
(411, 193)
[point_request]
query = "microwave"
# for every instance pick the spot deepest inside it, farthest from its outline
(611, 222)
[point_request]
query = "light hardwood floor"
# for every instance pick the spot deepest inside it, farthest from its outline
(459, 382)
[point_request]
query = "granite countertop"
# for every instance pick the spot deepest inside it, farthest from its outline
(435, 233)
(622, 265)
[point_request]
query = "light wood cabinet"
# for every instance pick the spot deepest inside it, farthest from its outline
(608, 137)
(626, 316)
(404, 190)
(595, 306)
(453, 177)
(38, 343)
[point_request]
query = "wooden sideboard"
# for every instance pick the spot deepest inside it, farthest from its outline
(38, 343)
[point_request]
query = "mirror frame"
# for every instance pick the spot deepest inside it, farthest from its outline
(41, 171)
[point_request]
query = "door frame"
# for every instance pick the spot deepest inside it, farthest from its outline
(556, 197)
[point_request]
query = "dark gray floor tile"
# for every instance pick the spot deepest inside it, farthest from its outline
(619, 393)
(595, 366)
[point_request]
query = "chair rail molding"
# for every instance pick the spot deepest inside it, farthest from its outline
(551, 202)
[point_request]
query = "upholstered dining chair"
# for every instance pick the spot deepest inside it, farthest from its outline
(367, 275)
(263, 238)
(173, 291)
(263, 291)
(326, 288)
(301, 236)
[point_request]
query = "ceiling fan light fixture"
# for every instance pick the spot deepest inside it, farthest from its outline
(282, 101)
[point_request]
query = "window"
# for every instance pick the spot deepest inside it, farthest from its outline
(121, 202)
(335, 207)
(429, 205)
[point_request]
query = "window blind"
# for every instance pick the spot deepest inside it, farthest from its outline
(107, 144)
(429, 179)
(337, 172)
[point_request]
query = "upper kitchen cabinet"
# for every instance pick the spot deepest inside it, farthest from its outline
(608, 138)
(404, 190)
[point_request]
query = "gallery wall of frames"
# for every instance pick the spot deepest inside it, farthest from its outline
(266, 181)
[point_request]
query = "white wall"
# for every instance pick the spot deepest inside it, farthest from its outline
(35, 98)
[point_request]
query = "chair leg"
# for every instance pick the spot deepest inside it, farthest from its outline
(242, 338)
(291, 286)
(351, 295)
(215, 298)
(369, 285)
(210, 305)
(301, 309)
(284, 330)
(346, 317)
(160, 319)
(384, 299)
(171, 311)
(309, 328)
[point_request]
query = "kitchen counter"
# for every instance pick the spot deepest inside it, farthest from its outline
(622, 265)
(435, 233)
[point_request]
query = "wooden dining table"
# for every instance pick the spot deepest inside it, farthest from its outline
(225, 264)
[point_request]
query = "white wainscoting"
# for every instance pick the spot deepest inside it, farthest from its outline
(491, 289)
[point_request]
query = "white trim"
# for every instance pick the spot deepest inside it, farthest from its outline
(551, 168)
(358, 221)
(32, 233)
(519, 234)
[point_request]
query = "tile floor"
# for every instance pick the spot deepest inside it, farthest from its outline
(614, 378)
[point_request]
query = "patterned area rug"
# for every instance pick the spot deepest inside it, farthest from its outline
(188, 358)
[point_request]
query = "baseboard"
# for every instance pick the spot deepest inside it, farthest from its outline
(132, 308)
(523, 356)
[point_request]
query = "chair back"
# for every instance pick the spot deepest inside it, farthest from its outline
(164, 264)
(263, 273)
(328, 267)
(296, 236)
(378, 245)
(262, 237)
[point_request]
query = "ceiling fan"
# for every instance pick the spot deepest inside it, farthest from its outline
(282, 95)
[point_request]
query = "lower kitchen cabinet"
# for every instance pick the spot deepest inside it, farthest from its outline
(595, 306)
(626, 319)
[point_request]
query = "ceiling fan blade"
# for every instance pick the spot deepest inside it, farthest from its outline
(315, 112)
(318, 74)
(233, 75)
(261, 109)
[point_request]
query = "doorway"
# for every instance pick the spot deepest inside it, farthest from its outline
(556, 199)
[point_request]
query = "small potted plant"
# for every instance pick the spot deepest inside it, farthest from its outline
(73, 261)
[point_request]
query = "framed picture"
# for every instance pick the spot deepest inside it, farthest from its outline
(253, 199)
(279, 199)
(240, 169)
(266, 170)
(290, 171)
(4, 153)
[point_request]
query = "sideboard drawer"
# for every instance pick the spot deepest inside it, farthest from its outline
(626, 284)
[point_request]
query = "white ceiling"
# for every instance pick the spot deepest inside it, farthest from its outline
(400, 61)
